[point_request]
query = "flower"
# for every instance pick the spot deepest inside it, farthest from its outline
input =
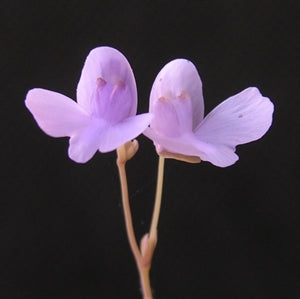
(104, 116)
(179, 130)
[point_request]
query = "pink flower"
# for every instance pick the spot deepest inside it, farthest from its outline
(104, 116)
(179, 130)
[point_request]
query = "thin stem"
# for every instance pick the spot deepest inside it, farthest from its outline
(152, 239)
(127, 214)
(143, 267)
(145, 282)
(158, 196)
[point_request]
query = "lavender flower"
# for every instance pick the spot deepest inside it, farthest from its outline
(104, 116)
(179, 130)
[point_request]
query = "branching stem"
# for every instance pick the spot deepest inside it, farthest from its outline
(143, 256)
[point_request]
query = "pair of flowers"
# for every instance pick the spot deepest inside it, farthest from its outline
(104, 116)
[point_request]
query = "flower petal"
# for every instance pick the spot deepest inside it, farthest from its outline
(86, 142)
(242, 118)
(116, 135)
(56, 114)
(184, 144)
(221, 155)
(172, 117)
(177, 77)
(108, 64)
(190, 147)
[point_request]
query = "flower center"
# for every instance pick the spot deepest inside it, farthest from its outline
(173, 115)
(111, 101)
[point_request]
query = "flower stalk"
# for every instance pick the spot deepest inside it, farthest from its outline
(143, 255)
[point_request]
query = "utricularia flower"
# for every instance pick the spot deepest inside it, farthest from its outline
(104, 116)
(179, 130)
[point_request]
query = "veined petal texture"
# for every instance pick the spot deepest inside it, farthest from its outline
(240, 119)
(179, 78)
(111, 66)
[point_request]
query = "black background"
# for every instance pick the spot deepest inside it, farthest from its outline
(223, 233)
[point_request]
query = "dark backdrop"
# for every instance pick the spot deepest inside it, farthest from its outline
(223, 233)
